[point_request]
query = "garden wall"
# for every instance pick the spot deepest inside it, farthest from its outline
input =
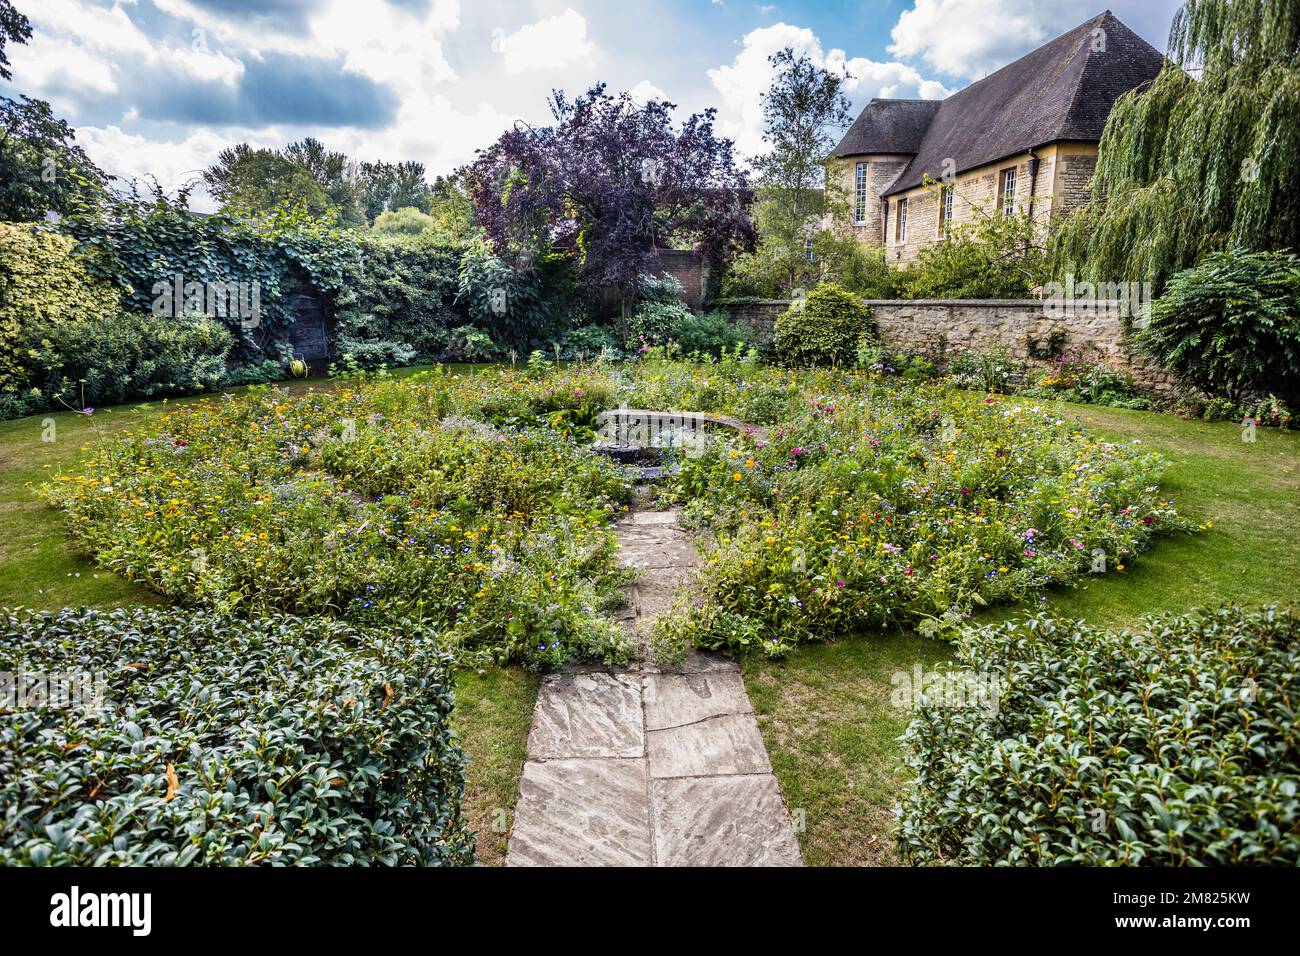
(1019, 325)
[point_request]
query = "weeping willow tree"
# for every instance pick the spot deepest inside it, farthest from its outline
(1205, 158)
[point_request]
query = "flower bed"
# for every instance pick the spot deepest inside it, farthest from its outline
(881, 502)
(372, 503)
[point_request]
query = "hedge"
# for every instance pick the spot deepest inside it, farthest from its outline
(41, 282)
(1175, 743)
(275, 741)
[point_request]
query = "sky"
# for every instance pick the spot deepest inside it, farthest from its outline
(159, 87)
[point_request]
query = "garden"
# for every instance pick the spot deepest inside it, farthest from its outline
(260, 607)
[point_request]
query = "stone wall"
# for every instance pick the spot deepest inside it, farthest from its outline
(955, 325)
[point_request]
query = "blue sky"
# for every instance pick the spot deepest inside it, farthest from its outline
(160, 86)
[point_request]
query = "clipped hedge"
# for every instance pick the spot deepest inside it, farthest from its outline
(825, 329)
(1172, 744)
(277, 741)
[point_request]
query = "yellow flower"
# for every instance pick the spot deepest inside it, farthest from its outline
(736, 477)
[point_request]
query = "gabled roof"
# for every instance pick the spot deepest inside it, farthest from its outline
(888, 126)
(1064, 90)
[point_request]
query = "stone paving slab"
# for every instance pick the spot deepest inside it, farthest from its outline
(722, 821)
(716, 746)
(675, 699)
(587, 714)
(595, 813)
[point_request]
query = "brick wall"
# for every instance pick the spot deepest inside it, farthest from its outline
(688, 269)
(961, 324)
(683, 265)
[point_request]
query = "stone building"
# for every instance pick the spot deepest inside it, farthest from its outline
(1022, 140)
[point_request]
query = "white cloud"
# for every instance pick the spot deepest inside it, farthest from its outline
(173, 163)
(49, 63)
(553, 42)
(741, 83)
(971, 38)
(645, 91)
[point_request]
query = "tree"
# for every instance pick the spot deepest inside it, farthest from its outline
(609, 184)
(402, 224)
(257, 181)
(804, 111)
(41, 170)
(1191, 166)
(391, 186)
(334, 172)
(303, 175)
(13, 26)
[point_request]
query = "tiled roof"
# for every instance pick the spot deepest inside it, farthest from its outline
(888, 126)
(1064, 90)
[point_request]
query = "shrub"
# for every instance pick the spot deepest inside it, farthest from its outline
(274, 741)
(469, 344)
(823, 330)
(588, 340)
(523, 306)
(41, 282)
(369, 354)
(653, 322)
(1231, 325)
(709, 334)
(117, 357)
(997, 257)
(1171, 744)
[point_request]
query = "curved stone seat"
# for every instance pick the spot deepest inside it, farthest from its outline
(643, 427)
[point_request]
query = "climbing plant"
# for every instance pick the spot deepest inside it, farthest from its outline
(1205, 157)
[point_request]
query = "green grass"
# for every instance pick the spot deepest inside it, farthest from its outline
(39, 569)
(830, 729)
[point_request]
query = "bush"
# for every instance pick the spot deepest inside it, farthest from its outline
(998, 257)
(824, 330)
(709, 334)
(276, 741)
(369, 354)
(41, 282)
(588, 340)
(113, 358)
(1172, 744)
(653, 322)
(1231, 325)
(469, 344)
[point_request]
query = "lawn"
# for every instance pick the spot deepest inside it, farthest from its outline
(39, 569)
(830, 729)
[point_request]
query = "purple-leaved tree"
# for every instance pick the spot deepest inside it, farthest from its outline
(608, 184)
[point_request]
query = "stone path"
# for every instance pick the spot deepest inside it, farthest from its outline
(642, 767)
